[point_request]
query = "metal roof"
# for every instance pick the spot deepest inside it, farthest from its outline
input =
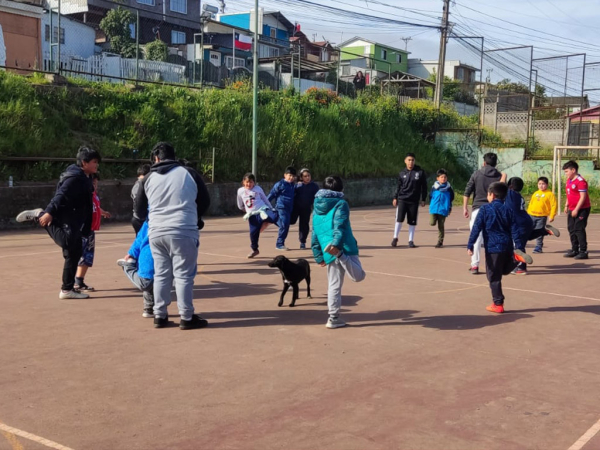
(306, 65)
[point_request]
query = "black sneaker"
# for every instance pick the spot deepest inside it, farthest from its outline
(160, 323)
(571, 254)
(582, 255)
(148, 313)
(196, 322)
(411, 244)
(440, 244)
(394, 242)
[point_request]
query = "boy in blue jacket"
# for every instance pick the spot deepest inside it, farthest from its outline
(283, 194)
(440, 204)
(334, 245)
(138, 265)
(494, 221)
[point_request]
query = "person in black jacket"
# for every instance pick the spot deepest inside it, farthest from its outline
(411, 191)
(359, 81)
(304, 198)
(68, 216)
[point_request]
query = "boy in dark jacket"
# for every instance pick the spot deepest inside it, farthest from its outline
(304, 197)
(68, 216)
(283, 194)
(478, 186)
(411, 190)
(494, 221)
(440, 204)
(142, 171)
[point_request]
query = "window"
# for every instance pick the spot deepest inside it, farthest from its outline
(239, 62)
(132, 30)
(55, 37)
(265, 51)
(398, 58)
(384, 54)
(273, 33)
(179, 6)
(346, 70)
(146, 2)
(177, 37)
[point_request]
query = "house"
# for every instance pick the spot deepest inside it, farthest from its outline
(77, 40)
(321, 51)
(275, 30)
(568, 104)
(453, 69)
(223, 43)
(375, 60)
(20, 22)
(584, 127)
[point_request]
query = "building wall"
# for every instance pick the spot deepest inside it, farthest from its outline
(22, 40)
(79, 38)
(391, 57)
(241, 20)
(357, 51)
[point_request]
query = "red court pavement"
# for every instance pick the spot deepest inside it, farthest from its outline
(422, 366)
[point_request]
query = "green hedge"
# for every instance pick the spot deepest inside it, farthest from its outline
(366, 137)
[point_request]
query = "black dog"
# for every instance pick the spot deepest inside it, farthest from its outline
(292, 274)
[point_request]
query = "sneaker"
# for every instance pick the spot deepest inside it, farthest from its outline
(495, 308)
(582, 255)
(72, 294)
(538, 250)
(282, 248)
(523, 257)
(411, 244)
(334, 251)
(160, 323)
(519, 271)
(194, 323)
(148, 313)
(83, 287)
(395, 242)
(29, 214)
(126, 262)
(474, 270)
(252, 254)
(571, 254)
(553, 231)
(439, 245)
(302, 246)
(335, 322)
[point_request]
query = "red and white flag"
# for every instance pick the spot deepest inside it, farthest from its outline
(243, 42)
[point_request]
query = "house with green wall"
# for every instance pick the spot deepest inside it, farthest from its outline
(380, 58)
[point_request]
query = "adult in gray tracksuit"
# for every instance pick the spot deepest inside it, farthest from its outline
(174, 198)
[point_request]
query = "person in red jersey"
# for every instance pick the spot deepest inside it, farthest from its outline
(578, 209)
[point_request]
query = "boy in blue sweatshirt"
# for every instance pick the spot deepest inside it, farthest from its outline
(440, 204)
(494, 221)
(138, 265)
(283, 194)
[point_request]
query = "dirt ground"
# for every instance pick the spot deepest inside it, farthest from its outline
(422, 364)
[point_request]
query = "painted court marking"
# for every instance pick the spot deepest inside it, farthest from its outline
(31, 437)
(587, 437)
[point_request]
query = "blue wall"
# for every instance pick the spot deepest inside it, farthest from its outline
(281, 34)
(241, 20)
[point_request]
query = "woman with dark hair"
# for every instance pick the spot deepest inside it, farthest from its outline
(359, 81)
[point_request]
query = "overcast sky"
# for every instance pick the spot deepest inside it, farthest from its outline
(553, 27)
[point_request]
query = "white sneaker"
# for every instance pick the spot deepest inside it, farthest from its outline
(126, 262)
(29, 215)
(72, 295)
(335, 322)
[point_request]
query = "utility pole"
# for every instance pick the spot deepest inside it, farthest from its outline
(439, 81)
(406, 42)
(255, 94)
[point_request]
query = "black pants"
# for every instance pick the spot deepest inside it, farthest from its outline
(410, 211)
(136, 224)
(576, 227)
(69, 239)
(497, 265)
(303, 216)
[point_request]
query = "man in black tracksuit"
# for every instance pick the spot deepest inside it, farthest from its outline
(68, 216)
(411, 190)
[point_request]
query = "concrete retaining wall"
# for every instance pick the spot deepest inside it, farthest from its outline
(115, 197)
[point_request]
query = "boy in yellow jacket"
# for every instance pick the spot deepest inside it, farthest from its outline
(542, 209)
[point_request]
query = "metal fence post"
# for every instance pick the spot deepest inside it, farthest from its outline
(58, 46)
(137, 44)
(213, 165)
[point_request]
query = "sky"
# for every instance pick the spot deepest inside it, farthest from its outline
(553, 27)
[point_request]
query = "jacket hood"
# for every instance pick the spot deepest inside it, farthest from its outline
(73, 171)
(442, 187)
(326, 200)
(165, 166)
(489, 171)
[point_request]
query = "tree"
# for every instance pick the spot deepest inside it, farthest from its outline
(157, 51)
(116, 26)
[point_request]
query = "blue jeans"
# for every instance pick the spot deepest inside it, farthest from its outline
(283, 223)
(539, 223)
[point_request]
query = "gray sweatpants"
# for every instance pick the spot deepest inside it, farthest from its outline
(335, 275)
(143, 284)
(175, 257)
(538, 223)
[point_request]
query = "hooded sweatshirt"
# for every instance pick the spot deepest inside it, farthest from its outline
(441, 198)
(72, 202)
(176, 197)
(412, 185)
(479, 183)
(331, 225)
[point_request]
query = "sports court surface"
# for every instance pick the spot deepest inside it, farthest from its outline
(422, 365)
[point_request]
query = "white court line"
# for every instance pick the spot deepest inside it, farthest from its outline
(587, 437)
(53, 251)
(33, 437)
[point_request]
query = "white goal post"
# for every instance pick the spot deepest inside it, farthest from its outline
(569, 152)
